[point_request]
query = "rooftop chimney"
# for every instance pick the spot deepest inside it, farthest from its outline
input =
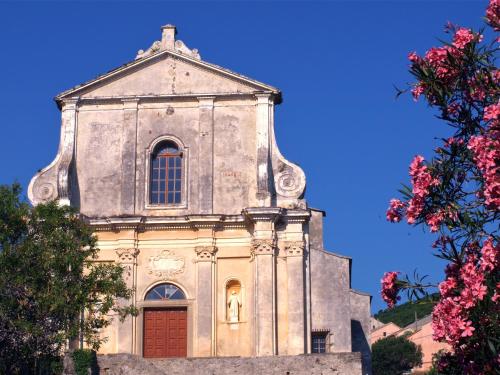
(168, 36)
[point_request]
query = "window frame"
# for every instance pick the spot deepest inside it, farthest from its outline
(184, 152)
(320, 334)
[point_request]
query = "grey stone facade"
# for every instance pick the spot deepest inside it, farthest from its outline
(241, 220)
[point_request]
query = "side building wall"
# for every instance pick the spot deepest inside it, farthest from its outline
(360, 327)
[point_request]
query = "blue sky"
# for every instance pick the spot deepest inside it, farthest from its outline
(335, 61)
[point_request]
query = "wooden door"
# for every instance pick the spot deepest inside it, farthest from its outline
(165, 333)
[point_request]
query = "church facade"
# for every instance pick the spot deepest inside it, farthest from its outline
(174, 163)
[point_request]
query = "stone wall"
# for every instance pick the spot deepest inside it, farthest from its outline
(312, 364)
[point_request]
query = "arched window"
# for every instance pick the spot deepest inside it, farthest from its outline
(164, 292)
(166, 174)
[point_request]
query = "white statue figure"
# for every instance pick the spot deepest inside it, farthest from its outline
(234, 307)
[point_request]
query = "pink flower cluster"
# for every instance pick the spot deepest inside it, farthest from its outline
(492, 113)
(463, 37)
(493, 14)
(486, 153)
(422, 180)
(395, 211)
(390, 288)
(490, 256)
(461, 291)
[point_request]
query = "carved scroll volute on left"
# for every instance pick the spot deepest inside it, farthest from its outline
(128, 259)
(67, 147)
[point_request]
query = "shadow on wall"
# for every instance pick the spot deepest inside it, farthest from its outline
(360, 344)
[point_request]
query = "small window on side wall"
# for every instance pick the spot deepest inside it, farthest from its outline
(319, 341)
(166, 174)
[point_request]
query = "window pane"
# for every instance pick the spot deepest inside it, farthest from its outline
(178, 185)
(178, 162)
(177, 197)
(178, 173)
(170, 197)
(161, 198)
(162, 162)
(155, 163)
(171, 185)
(171, 174)
(162, 174)
(162, 185)
(154, 186)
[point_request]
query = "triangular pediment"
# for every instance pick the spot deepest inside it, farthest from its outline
(166, 73)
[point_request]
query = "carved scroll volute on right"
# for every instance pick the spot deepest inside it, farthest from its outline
(290, 180)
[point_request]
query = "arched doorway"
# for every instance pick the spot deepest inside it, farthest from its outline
(165, 328)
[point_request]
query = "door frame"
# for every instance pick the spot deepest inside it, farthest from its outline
(185, 303)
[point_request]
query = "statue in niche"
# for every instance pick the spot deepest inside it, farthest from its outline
(234, 304)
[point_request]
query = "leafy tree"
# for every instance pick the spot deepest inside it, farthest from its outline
(395, 356)
(456, 194)
(404, 314)
(48, 279)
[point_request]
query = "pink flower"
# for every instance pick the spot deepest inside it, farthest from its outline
(492, 112)
(390, 289)
(395, 210)
(467, 328)
(416, 91)
(486, 154)
(413, 57)
(437, 58)
(490, 256)
(434, 221)
(493, 14)
(463, 37)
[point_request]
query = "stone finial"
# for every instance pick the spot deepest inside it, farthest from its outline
(168, 36)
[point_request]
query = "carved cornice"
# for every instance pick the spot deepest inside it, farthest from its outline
(262, 247)
(269, 214)
(127, 255)
(205, 253)
(294, 248)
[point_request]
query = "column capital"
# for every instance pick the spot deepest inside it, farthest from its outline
(127, 255)
(294, 248)
(262, 247)
(130, 103)
(205, 253)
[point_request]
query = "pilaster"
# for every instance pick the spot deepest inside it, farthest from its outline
(206, 154)
(128, 260)
(205, 291)
(263, 125)
(294, 252)
(129, 144)
(263, 252)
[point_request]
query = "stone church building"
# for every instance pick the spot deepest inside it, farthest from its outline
(174, 162)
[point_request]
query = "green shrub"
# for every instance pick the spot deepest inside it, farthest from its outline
(395, 356)
(84, 359)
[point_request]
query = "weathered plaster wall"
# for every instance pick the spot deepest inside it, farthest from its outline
(234, 156)
(166, 75)
(330, 297)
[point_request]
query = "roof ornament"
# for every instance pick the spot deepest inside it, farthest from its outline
(168, 42)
